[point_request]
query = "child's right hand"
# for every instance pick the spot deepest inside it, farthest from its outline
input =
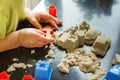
(31, 37)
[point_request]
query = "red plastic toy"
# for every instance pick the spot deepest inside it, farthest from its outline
(52, 10)
(27, 77)
(44, 31)
(48, 31)
(4, 76)
(51, 32)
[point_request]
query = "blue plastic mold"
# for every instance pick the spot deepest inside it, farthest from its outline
(43, 70)
(113, 73)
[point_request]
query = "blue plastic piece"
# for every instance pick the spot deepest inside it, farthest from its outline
(43, 70)
(113, 73)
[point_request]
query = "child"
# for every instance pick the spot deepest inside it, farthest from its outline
(13, 11)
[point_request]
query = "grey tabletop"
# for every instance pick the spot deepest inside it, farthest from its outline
(103, 15)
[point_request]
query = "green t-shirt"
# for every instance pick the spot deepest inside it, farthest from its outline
(11, 12)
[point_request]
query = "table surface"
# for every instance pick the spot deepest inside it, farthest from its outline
(103, 15)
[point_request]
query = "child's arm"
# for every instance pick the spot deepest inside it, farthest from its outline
(9, 42)
(28, 37)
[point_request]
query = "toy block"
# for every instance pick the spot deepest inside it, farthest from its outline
(48, 30)
(43, 30)
(43, 70)
(52, 10)
(4, 76)
(51, 32)
(27, 77)
(113, 73)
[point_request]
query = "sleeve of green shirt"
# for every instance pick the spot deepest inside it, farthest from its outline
(4, 16)
(11, 11)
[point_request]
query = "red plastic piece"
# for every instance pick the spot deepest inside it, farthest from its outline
(44, 31)
(51, 32)
(52, 10)
(27, 77)
(4, 76)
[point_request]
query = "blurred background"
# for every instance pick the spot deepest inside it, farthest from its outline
(32, 3)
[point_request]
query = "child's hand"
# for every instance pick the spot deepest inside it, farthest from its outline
(35, 18)
(42, 17)
(31, 37)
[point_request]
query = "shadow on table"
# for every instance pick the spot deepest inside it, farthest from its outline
(98, 7)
